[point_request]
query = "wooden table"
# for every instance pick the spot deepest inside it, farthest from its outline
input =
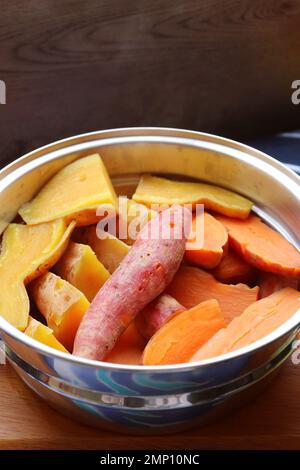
(272, 421)
(220, 66)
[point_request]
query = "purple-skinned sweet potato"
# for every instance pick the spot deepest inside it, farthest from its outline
(156, 314)
(142, 275)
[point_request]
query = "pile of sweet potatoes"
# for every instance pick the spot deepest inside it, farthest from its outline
(158, 300)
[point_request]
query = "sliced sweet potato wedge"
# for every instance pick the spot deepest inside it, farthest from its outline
(181, 336)
(80, 267)
(233, 269)
(109, 251)
(27, 251)
(209, 250)
(190, 286)
(262, 246)
(43, 334)
(137, 216)
(62, 305)
(156, 190)
(73, 194)
(257, 321)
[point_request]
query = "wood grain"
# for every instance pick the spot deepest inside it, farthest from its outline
(269, 422)
(72, 66)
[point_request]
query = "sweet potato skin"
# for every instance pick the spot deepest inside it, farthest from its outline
(155, 314)
(142, 275)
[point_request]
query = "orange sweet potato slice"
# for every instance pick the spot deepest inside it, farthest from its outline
(190, 286)
(270, 283)
(208, 251)
(262, 246)
(182, 336)
(257, 321)
(129, 347)
(233, 269)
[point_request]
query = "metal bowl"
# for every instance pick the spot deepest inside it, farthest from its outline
(161, 398)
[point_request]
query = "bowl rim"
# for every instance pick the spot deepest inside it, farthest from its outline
(291, 324)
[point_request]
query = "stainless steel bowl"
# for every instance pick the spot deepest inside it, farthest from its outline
(162, 398)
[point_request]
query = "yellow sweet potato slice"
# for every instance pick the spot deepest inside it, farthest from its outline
(27, 251)
(80, 266)
(43, 334)
(62, 305)
(137, 217)
(156, 190)
(73, 193)
(109, 251)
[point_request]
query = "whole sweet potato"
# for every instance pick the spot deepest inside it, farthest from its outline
(142, 275)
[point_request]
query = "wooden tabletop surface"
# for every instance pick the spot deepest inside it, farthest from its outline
(271, 421)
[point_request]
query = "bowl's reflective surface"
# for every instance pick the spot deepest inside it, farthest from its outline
(157, 399)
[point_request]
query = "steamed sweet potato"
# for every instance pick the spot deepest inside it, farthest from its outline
(207, 250)
(262, 246)
(155, 314)
(190, 286)
(257, 321)
(43, 334)
(233, 269)
(155, 190)
(26, 252)
(80, 266)
(137, 216)
(128, 348)
(62, 305)
(109, 251)
(142, 275)
(270, 283)
(74, 193)
(184, 334)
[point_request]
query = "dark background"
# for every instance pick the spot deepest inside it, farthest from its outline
(73, 66)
